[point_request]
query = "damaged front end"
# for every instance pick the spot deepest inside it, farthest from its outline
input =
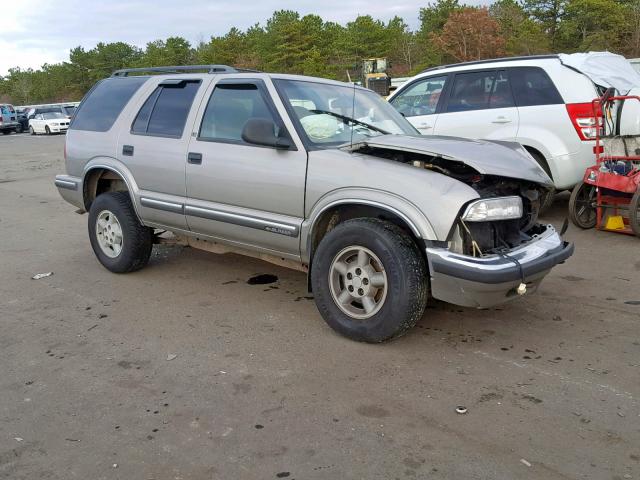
(496, 249)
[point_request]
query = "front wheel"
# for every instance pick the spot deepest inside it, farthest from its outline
(369, 280)
(47, 130)
(121, 243)
(31, 130)
(582, 206)
(19, 128)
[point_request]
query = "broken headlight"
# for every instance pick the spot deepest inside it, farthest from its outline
(488, 209)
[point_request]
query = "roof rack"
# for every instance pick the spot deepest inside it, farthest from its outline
(181, 69)
(490, 60)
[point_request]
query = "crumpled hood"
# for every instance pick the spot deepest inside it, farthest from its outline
(487, 157)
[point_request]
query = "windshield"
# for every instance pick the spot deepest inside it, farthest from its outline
(69, 110)
(51, 115)
(330, 114)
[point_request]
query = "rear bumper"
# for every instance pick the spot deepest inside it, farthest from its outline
(568, 169)
(8, 126)
(70, 188)
(486, 281)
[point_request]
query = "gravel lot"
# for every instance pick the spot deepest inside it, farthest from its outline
(184, 371)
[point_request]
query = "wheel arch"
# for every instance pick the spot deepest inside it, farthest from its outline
(330, 215)
(102, 177)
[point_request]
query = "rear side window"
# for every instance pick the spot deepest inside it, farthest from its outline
(102, 105)
(532, 86)
(165, 112)
(230, 107)
(480, 90)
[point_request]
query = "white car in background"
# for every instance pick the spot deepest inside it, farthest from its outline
(538, 101)
(49, 123)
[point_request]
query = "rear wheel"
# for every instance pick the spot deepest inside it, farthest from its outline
(582, 206)
(369, 280)
(634, 213)
(121, 243)
(6, 132)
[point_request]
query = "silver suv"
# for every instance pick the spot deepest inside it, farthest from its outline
(313, 174)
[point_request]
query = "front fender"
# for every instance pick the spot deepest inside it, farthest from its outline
(408, 212)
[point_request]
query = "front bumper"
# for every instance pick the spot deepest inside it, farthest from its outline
(485, 281)
(59, 129)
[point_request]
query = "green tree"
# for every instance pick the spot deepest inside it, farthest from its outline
(593, 24)
(172, 51)
(549, 14)
(522, 35)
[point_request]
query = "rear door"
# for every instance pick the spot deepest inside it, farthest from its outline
(154, 148)
(419, 102)
(479, 104)
(245, 194)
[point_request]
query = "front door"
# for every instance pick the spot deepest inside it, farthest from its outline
(419, 101)
(245, 194)
(479, 105)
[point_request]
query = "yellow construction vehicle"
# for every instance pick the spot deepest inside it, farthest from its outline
(375, 77)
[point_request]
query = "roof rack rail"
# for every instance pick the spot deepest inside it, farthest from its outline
(181, 69)
(490, 60)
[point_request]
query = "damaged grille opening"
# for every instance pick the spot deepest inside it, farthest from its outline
(490, 237)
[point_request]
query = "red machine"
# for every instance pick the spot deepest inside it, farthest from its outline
(609, 197)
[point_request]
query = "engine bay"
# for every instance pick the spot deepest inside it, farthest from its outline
(480, 238)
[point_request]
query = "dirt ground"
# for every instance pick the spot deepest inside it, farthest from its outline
(185, 371)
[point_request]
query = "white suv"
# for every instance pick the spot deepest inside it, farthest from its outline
(536, 101)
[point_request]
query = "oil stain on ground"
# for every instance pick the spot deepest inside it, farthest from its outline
(262, 279)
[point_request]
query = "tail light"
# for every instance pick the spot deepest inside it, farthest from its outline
(581, 115)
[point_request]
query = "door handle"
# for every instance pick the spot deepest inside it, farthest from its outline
(424, 126)
(194, 158)
(127, 150)
(501, 120)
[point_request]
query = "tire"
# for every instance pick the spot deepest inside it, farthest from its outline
(393, 258)
(6, 132)
(634, 213)
(19, 128)
(547, 199)
(582, 210)
(131, 249)
(31, 130)
(47, 130)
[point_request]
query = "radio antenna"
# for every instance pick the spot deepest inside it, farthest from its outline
(353, 113)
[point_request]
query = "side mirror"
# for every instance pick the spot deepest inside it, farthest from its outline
(260, 131)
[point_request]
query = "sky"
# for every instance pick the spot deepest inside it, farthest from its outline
(35, 32)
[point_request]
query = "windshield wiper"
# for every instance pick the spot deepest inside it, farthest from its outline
(353, 120)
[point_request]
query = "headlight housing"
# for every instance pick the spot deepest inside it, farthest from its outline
(488, 209)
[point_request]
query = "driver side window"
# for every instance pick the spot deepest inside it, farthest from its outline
(230, 107)
(421, 98)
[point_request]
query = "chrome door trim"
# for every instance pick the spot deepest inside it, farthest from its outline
(243, 220)
(162, 205)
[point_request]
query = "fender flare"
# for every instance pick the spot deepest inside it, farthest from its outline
(399, 206)
(117, 167)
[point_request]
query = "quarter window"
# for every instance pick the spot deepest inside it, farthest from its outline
(103, 104)
(165, 112)
(480, 90)
(420, 98)
(230, 107)
(532, 86)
